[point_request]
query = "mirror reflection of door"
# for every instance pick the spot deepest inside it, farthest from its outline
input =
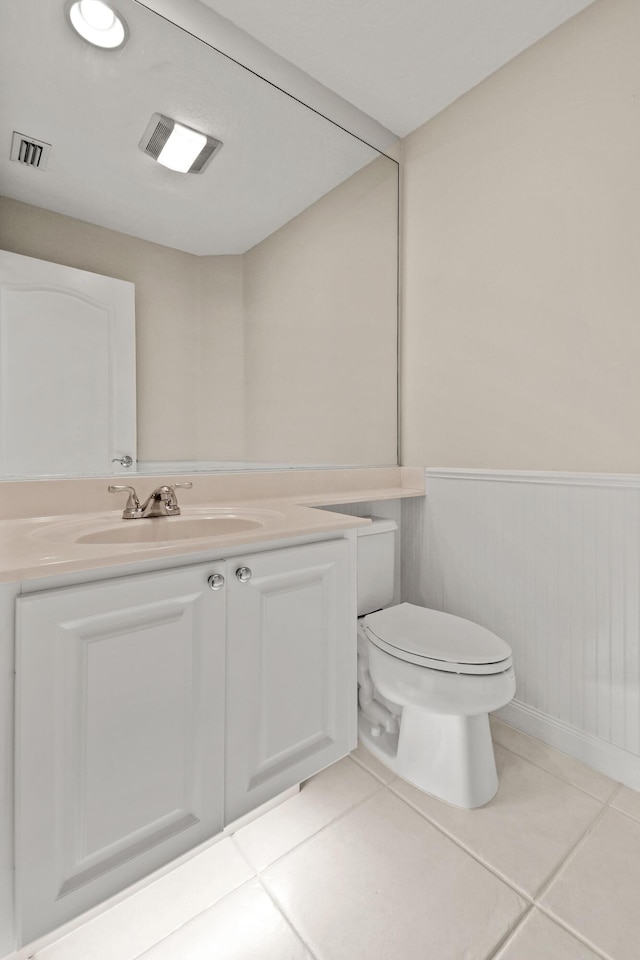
(67, 370)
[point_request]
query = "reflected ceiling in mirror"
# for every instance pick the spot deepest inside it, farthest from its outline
(265, 285)
(93, 107)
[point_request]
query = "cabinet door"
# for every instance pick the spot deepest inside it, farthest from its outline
(291, 670)
(120, 736)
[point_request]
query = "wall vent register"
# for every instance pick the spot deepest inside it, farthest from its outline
(29, 151)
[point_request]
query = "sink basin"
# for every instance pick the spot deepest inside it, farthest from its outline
(167, 529)
(195, 525)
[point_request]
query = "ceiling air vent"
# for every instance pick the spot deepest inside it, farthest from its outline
(29, 151)
(156, 135)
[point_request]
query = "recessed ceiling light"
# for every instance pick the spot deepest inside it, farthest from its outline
(97, 23)
(178, 147)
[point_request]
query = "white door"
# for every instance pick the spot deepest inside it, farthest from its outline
(120, 736)
(67, 370)
(291, 670)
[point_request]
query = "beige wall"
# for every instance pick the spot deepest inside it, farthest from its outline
(521, 248)
(321, 335)
(221, 361)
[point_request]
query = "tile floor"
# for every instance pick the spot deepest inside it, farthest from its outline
(362, 866)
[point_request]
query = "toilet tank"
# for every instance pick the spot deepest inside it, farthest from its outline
(376, 564)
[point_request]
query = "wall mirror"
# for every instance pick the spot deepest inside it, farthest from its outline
(265, 286)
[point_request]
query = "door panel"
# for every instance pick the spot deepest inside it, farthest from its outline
(290, 670)
(120, 735)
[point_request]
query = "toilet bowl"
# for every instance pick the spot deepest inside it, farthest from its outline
(427, 682)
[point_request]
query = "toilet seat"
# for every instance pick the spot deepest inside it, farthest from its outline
(436, 640)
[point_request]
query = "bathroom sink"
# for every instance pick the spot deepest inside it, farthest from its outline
(194, 524)
(164, 529)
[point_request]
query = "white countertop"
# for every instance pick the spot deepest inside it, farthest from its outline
(46, 546)
(41, 546)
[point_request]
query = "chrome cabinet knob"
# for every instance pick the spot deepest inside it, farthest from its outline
(216, 581)
(243, 574)
(126, 461)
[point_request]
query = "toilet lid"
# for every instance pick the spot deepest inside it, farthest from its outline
(437, 639)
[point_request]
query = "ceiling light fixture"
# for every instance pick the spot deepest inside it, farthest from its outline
(178, 147)
(97, 23)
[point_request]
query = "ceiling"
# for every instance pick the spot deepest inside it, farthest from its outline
(93, 106)
(399, 61)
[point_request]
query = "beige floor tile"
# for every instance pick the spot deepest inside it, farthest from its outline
(132, 926)
(321, 800)
(246, 925)
(381, 883)
(527, 829)
(597, 893)
(628, 801)
(367, 760)
(574, 772)
(539, 938)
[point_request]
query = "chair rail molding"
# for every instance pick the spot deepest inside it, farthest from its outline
(537, 476)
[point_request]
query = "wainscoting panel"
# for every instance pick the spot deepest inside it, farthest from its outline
(552, 564)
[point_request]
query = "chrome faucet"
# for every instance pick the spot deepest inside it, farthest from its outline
(161, 502)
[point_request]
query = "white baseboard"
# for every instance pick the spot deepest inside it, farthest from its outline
(601, 756)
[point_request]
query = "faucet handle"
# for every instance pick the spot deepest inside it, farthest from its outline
(132, 510)
(172, 486)
(173, 503)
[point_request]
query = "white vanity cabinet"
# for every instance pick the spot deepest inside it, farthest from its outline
(120, 735)
(152, 710)
(291, 661)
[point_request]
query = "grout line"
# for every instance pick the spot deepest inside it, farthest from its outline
(571, 853)
(148, 952)
(287, 919)
(570, 856)
(580, 937)
(340, 816)
(317, 833)
(385, 783)
(511, 932)
(629, 816)
(562, 779)
(510, 937)
(623, 813)
(474, 856)
(237, 848)
(619, 788)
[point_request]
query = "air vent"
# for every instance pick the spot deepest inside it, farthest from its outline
(205, 155)
(29, 151)
(157, 134)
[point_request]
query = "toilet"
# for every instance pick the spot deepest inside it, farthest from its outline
(426, 683)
